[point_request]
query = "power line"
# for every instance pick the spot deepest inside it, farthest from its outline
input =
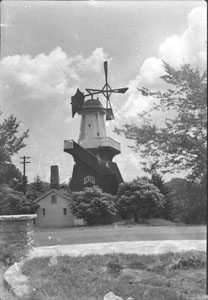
(24, 162)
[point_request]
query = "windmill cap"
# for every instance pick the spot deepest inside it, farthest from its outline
(92, 105)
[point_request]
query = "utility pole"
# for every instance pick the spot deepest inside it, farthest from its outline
(24, 162)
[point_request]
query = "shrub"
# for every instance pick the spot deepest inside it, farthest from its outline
(140, 198)
(193, 260)
(93, 206)
(14, 203)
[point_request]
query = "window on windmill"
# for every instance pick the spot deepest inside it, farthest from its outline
(53, 199)
(92, 179)
(86, 179)
(65, 211)
(43, 211)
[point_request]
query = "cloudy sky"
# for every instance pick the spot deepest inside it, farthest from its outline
(50, 48)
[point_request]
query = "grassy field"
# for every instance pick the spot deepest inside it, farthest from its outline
(141, 232)
(168, 276)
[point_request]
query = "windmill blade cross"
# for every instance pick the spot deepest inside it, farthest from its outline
(78, 99)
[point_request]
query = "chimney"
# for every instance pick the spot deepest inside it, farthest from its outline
(54, 177)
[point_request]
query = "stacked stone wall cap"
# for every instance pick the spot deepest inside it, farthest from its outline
(112, 296)
(17, 217)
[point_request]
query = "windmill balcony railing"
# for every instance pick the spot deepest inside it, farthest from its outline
(102, 142)
(109, 142)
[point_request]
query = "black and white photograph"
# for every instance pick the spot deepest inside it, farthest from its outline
(103, 150)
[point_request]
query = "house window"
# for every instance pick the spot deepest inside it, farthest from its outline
(65, 211)
(53, 199)
(44, 211)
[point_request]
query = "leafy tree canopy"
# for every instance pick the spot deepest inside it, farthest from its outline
(181, 143)
(188, 201)
(10, 175)
(159, 182)
(36, 188)
(93, 206)
(10, 142)
(14, 203)
(140, 198)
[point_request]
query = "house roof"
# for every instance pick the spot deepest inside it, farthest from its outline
(63, 194)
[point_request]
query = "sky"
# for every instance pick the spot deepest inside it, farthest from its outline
(51, 48)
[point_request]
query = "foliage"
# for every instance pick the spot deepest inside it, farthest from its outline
(188, 201)
(10, 143)
(11, 175)
(140, 198)
(175, 261)
(13, 203)
(94, 206)
(159, 182)
(11, 253)
(192, 260)
(181, 143)
(35, 189)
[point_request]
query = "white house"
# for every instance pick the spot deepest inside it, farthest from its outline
(54, 209)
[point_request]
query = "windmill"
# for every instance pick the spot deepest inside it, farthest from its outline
(78, 99)
(94, 152)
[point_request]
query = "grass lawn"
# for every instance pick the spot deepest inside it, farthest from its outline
(169, 276)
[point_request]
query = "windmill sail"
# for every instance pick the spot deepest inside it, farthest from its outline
(120, 91)
(77, 102)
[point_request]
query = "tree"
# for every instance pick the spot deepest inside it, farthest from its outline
(93, 206)
(10, 175)
(10, 143)
(35, 189)
(188, 201)
(159, 182)
(181, 143)
(140, 198)
(14, 203)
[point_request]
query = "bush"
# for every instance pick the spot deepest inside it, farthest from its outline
(11, 253)
(193, 260)
(14, 203)
(174, 261)
(93, 206)
(138, 198)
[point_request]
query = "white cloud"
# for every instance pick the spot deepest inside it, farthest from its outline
(190, 47)
(47, 75)
(94, 63)
(134, 104)
(149, 77)
(129, 165)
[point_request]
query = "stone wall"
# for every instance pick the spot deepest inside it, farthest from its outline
(17, 229)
